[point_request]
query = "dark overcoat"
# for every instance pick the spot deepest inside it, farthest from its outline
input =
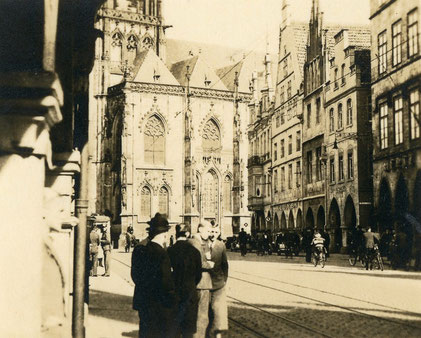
(187, 271)
(154, 296)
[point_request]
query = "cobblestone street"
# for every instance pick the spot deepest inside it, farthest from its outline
(275, 297)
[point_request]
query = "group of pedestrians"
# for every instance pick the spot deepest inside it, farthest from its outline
(99, 250)
(180, 291)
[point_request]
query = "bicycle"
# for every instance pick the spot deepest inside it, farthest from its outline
(374, 259)
(319, 256)
(355, 256)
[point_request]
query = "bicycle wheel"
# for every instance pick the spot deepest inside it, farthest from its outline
(315, 260)
(380, 262)
(352, 259)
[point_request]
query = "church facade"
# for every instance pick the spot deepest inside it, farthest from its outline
(167, 138)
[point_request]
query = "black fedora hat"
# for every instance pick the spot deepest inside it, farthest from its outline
(158, 224)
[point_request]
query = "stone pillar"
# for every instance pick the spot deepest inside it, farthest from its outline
(25, 149)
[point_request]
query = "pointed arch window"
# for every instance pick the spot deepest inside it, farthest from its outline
(131, 48)
(210, 195)
(211, 137)
(116, 54)
(163, 202)
(145, 202)
(154, 150)
(227, 194)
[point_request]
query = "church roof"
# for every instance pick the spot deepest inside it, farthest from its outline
(149, 68)
(201, 74)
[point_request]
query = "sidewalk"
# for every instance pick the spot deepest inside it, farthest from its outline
(110, 309)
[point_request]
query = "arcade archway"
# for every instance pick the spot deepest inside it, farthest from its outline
(276, 222)
(401, 197)
(309, 219)
(335, 225)
(283, 221)
(417, 197)
(384, 210)
(350, 216)
(321, 218)
(299, 219)
(291, 224)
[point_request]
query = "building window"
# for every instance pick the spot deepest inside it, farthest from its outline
(397, 115)
(341, 167)
(298, 173)
(275, 151)
(382, 52)
(348, 112)
(211, 138)
(331, 120)
(332, 170)
(413, 33)
(350, 165)
(210, 196)
(318, 110)
(318, 163)
(309, 167)
(289, 89)
(227, 194)
(275, 178)
(336, 78)
(289, 144)
(145, 202)
(277, 121)
(308, 115)
(384, 135)
(163, 201)
(154, 137)
(282, 94)
(282, 118)
(282, 148)
(343, 74)
(282, 178)
(340, 116)
(414, 111)
(116, 54)
(286, 67)
(131, 48)
(290, 176)
(397, 43)
(298, 139)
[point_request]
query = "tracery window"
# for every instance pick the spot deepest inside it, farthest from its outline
(163, 201)
(211, 137)
(227, 194)
(154, 150)
(116, 54)
(210, 195)
(145, 202)
(131, 48)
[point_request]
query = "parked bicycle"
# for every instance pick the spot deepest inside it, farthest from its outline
(374, 259)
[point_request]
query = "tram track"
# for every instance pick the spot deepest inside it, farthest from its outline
(388, 307)
(328, 304)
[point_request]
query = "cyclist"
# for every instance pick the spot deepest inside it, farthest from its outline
(370, 239)
(318, 244)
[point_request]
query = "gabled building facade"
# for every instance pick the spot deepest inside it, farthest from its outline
(287, 126)
(348, 135)
(396, 85)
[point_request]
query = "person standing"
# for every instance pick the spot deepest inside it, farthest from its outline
(128, 242)
(154, 296)
(369, 240)
(186, 265)
(201, 242)
(242, 237)
(93, 249)
(106, 247)
(219, 274)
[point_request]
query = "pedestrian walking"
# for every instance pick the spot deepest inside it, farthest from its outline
(242, 237)
(154, 296)
(201, 242)
(128, 242)
(93, 250)
(186, 265)
(106, 247)
(218, 316)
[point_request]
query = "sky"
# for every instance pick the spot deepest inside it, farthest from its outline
(250, 24)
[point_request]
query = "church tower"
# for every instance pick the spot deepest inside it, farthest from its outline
(127, 27)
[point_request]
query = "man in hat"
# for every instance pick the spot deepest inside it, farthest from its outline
(200, 242)
(219, 275)
(187, 272)
(154, 297)
(93, 250)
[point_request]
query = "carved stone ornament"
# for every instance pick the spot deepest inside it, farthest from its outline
(154, 127)
(160, 117)
(132, 43)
